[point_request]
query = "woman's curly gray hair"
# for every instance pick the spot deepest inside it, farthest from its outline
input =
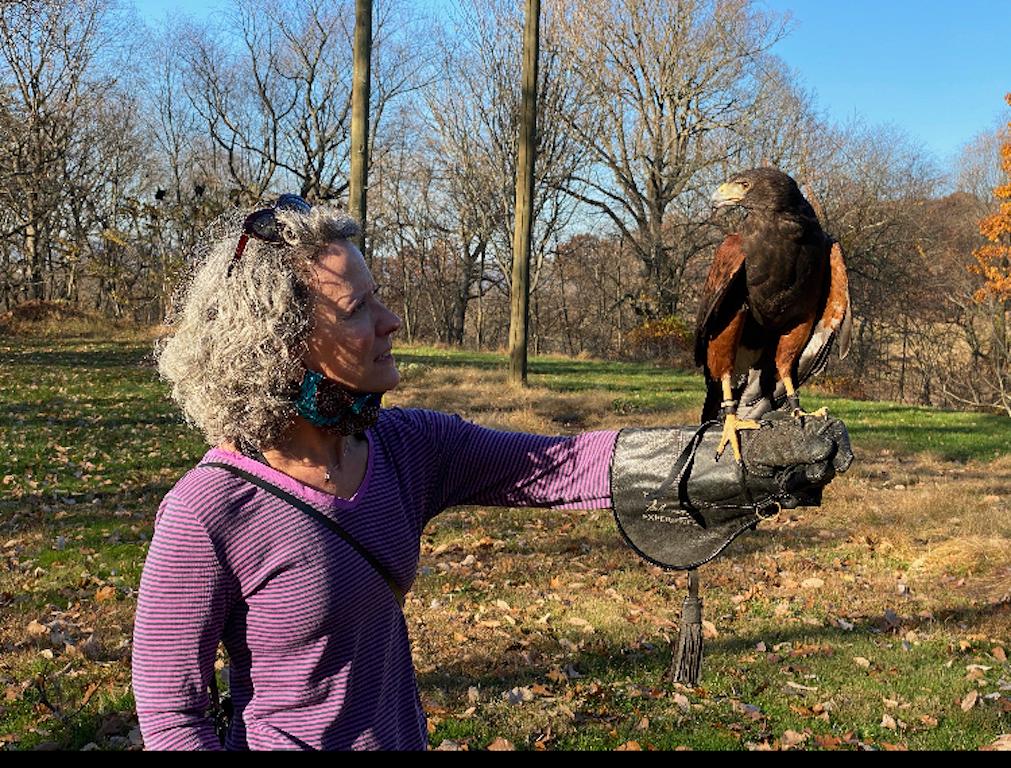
(234, 354)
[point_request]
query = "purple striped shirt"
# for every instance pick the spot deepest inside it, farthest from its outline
(319, 651)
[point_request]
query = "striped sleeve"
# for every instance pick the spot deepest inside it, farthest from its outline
(487, 466)
(181, 610)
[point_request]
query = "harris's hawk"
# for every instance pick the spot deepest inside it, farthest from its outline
(775, 299)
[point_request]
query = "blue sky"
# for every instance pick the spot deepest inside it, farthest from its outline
(937, 69)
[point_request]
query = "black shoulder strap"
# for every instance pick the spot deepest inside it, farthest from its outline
(318, 516)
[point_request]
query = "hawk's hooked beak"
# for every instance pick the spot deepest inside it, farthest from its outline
(726, 194)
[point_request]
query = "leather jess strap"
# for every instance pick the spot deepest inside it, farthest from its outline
(314, 513)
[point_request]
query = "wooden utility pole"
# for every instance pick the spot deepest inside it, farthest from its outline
(524, 200)
(360, 87)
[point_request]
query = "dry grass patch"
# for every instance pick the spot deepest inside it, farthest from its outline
(486, 397)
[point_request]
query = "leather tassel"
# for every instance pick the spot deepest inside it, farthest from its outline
(686, 663)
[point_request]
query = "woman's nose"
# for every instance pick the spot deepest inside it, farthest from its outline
(389, 321)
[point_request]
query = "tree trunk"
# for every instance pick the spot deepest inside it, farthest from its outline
(524, 200)
(358, 183)
(36, 271)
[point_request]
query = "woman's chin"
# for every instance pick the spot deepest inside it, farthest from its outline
(386, 381)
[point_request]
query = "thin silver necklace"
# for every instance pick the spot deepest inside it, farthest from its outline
(330, 469)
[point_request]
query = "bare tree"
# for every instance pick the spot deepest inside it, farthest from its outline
(472, 108)
(668, 87)
(48, 48)
(274, 87)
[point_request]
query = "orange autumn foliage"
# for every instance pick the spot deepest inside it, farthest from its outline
(993, 260)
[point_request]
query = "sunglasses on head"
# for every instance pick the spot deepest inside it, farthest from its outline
(262, 224)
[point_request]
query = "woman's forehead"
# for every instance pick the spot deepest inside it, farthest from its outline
(341, 270)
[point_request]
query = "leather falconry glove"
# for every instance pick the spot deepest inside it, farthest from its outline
(679, 507)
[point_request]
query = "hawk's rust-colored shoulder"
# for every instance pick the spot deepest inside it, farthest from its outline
(726, 265)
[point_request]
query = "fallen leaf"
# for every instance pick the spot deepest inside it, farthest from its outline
(887, 721)
(35, 629)
(812, 583)
(448, 745)
(748, 710)
(571, 672)
(628, 746)
(827, 742)
(540, 690)
(799, 687)
(576, 621)
(969, 701)
(89, 693)
(682, 701)
(930, 722)
(761, 647)
(1001, 744)
(557, 676)
(975, 672)
(709, 630)
(643, 724)
(105, 593)
(862, 662)
(762, 746)
(792, 738)
(501, 745)
(999, 654)
(519, 695)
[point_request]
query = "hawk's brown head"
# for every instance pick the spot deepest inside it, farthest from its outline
(764, 189)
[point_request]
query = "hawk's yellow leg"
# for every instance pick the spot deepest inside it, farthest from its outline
(732, 425)
(791, 395)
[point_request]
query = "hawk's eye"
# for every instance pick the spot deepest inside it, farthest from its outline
(745, 184)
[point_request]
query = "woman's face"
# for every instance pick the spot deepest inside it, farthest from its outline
(351, 338)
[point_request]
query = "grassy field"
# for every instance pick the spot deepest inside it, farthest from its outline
(881, 620)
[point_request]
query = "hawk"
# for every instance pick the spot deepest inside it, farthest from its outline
(774, 302)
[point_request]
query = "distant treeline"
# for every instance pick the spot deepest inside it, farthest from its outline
(122, 144)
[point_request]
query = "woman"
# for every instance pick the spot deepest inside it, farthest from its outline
(295, 538)
(280, 354)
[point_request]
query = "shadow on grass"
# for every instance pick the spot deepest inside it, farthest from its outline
(129, 356)
(647, 663)
(77, 414)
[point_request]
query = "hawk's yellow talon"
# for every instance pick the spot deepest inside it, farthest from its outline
(821, 413)
(731, 426)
